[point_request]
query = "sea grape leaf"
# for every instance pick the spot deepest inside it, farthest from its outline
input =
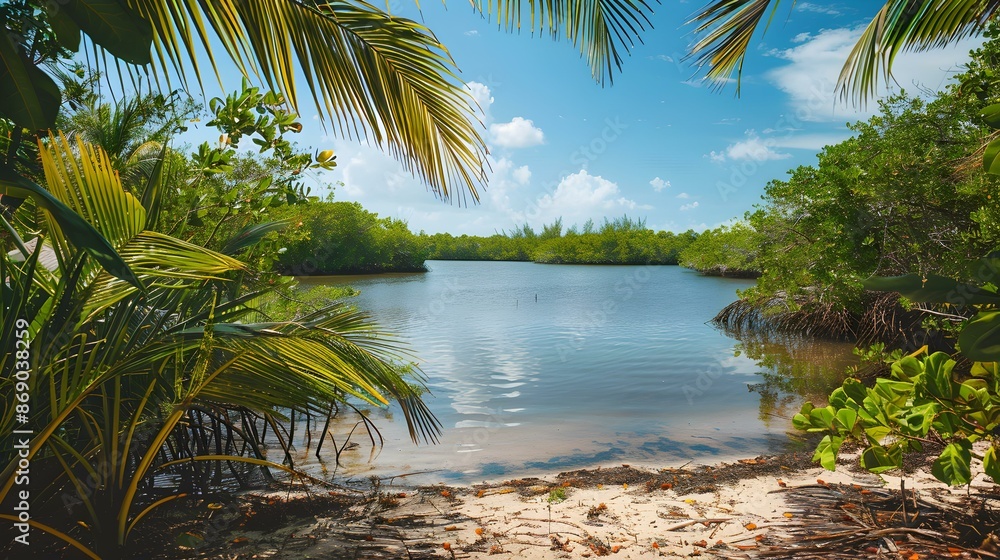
(879, 459)
(991, 464)
(952, 466)
(826, 451)
(980, 339)
(937, 375)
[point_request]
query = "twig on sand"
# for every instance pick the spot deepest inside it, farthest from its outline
(706, 522)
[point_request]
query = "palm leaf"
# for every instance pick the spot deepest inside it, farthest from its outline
(603, 30)
(377, 77)
(728, 26)
(900, 25)
(909, 25)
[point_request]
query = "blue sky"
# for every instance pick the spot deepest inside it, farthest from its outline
(657, 144)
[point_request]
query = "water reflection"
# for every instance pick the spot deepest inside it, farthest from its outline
(793, 369)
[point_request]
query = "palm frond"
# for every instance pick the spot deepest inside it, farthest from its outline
(728, 26)
(908, 25)
(85, 180)
(603, 30)
(899, 26)
(381, 78)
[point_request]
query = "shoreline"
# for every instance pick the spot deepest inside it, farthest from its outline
(750, 508)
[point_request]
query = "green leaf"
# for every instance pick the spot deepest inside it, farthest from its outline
(907, 368)
(67, 31)
(946, 424)
(984, 369)
(251, 235)
(878, 459)
(28, 96)
(918, 419)
(991, 157)
(932, 289)
(152, 194)
(991, 114)
(876, 434)
(991, 466)
(980, 339)
(855, 390)
(846, 419)
(75, 227)
(801, 420)
(115, 26)
(937, 375)
(952, 467)
(895, 392)
(822, 417)
(826, 452)
(838, 398)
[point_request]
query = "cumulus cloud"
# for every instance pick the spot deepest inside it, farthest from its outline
(522, 175)
(481, 93)
(684, 196)
(581, 196)
(753, 148)
(472, 32)
(691, 206)
(812, 67)
(659, 184)
(518, 133)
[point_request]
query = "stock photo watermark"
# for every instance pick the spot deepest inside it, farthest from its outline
(22, 435)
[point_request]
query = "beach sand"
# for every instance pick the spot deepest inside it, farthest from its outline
(746, 509)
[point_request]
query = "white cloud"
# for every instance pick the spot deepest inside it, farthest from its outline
(810, 76)
(581, 196)
(687, 207)
(472, 32)
(684, 196)
(518, 133)
(752, 148)
(817, 8)
(481, 93)
(522, 175)
(659, 184)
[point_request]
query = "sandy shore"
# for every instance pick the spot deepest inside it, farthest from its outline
(746, 509)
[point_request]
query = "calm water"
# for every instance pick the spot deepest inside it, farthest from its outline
(537, 368)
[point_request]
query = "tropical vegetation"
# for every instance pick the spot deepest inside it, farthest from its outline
(903, 208)
(905, 194)
(618, 241)
(135, 282)
(344, 238)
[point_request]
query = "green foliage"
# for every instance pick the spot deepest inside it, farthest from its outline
(557, 494)
(922, 401)
(344, 238)
(222, 192)
(725, 251)
(292, 303)
(620, 241)
(124, 383)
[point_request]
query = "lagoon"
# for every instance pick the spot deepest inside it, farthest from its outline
(539, 368)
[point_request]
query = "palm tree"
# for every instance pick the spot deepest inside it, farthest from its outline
(727, 27)
(125, 382)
